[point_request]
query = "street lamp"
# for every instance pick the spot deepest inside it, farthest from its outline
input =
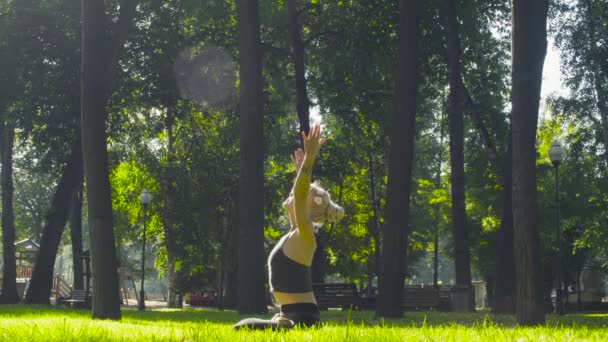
(144, 200)
(556, 154)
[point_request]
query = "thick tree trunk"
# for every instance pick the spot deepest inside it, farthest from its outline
(251, 260)
(529, 44)
(41, 283)
(9, 271)
(401, 160)
(456, 128)
(503, 300)
(76, 237)
(297, 54)
(99, 57)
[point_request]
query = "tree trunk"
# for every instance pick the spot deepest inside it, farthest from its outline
(297, 54)
(401, 160)
(373, 228)
(76, 237)
(251, 260)
(503, 300)
(169, 212)
(171, 280)
(437, 208)
(9, 271)
(456, 128)
(41, 283)
(99, 57)
(529, 44)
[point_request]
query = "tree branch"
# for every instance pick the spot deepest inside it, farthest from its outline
(475, 113)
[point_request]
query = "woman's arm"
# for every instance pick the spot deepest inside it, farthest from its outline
(301, 188)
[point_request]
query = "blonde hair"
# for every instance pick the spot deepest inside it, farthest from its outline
(324, 210)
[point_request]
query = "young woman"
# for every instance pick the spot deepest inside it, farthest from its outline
(289, 262)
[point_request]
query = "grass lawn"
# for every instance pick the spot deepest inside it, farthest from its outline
(43, 323)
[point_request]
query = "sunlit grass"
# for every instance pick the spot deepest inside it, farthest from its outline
(42, 323)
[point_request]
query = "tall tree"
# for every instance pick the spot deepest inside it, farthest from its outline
(41, 283)
(9, 271)
(100, 50)
(251, 257)
(297, 55)
(401, 161)
(597, 60)
(456, 129)
(529, 45)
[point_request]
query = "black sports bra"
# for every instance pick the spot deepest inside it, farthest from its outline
(286, 274)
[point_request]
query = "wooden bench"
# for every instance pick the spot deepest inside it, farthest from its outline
(420, 298)
(336, 295)
(79, 298)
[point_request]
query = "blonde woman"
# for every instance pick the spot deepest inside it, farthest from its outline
(289, 263)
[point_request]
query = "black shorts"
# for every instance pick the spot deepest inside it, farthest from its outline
(291, 315)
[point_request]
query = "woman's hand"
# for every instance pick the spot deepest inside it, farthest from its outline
(297, 158)
(312, 142)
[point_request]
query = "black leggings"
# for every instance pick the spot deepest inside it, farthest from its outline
(298, 314)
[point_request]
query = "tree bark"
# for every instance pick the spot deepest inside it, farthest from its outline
(503, 300)
(401, 160)
(41, 283)
(297, 54)
(456, 129)
(9, 271)
(251, 260)
(100, 51)
(529, 44)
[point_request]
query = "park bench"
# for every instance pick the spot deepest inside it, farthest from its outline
(78, 298)
(336, 295)
(419, 298)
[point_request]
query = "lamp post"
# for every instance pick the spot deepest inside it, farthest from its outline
(556, 154)
(144, 200)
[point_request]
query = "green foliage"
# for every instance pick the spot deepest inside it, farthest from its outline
(186, 153)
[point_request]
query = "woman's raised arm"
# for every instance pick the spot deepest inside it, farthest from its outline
(301, 188)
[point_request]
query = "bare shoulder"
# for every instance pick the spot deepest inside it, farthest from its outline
(300, 248)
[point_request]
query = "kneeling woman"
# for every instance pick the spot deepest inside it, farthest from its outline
(290, 260)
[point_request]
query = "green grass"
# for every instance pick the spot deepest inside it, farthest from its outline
(43, 323)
